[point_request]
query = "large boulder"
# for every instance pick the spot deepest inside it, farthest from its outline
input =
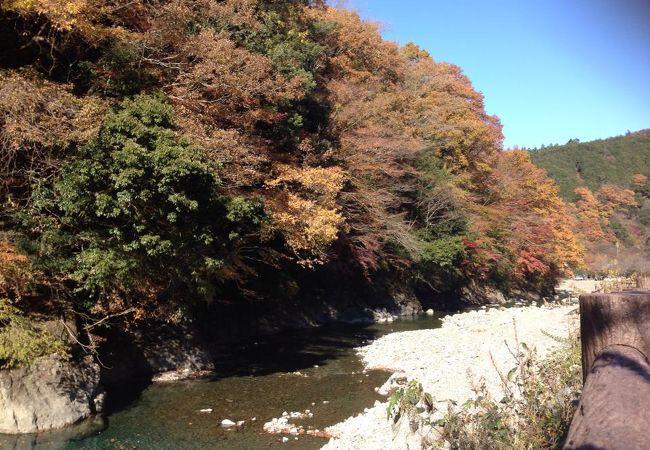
(48, 394)
(159, 352)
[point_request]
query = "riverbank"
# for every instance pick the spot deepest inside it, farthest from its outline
(449, 361)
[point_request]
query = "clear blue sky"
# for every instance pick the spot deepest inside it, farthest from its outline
(552, 70)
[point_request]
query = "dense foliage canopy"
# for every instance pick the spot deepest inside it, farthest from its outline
(157, 154)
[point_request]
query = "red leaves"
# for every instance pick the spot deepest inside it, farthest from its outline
(529, 264)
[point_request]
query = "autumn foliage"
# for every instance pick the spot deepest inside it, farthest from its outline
(157, 154)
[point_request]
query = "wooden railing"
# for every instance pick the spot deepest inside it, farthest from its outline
(614, 410)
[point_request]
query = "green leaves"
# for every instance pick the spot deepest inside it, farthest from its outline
(138, 204)
(21, 342)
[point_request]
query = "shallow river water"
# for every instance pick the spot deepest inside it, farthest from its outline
(309, 369)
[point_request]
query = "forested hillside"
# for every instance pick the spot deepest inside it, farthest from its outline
(160, 155)
(592, 164)
(606, 183)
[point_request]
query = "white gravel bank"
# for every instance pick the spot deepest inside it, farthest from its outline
(448, 360)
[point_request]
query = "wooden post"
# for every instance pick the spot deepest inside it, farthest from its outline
(613, 413)
(614, 410)
(619, 318)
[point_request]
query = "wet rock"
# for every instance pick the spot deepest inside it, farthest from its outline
(227, 423)
(49, 394)
(178, 350)
(180, 374)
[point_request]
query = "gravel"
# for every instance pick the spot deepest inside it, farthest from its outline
(449, 361)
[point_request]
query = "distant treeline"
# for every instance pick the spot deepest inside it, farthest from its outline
(606, 183)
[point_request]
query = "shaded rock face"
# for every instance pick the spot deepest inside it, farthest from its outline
(55, 439)
(475, 294)
(48, 394)
(175, 349)
(160, 349)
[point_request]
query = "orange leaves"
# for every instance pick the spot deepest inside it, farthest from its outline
(305, 212)
(38, 119)
(613, 197)
(356, 47)
(16, 272)
(451, 117)
(591, 216)
(244, 158)
(529, 217)
(639, 179)
(36, 111)
(594, 212)
(229, 83)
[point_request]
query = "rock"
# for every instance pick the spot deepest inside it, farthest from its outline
(54, 440)
(285, 439)
(227, 423)
(282, 425)
(49, 394)
(429, 312)
(396, 380)
(206, 410)
(181, 374)
(63, 329)
(240, 423)
(164, 352)
(175, 349)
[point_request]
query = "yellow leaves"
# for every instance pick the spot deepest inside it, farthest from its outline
(308, 228)
(306, 213)
(64, 15)
(88, 18)
(325, 182)
(414, 52)
(591, 216)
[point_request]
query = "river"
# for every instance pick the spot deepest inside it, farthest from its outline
(314, 369)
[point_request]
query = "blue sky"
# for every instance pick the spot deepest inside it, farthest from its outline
(552, 70)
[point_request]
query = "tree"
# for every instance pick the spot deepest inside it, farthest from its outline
(137, 215)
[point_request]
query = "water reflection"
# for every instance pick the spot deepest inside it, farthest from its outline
(259, 378)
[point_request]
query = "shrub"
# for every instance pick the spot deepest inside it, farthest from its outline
(21, 342)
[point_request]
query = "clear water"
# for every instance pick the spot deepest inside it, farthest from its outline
(254, 379)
